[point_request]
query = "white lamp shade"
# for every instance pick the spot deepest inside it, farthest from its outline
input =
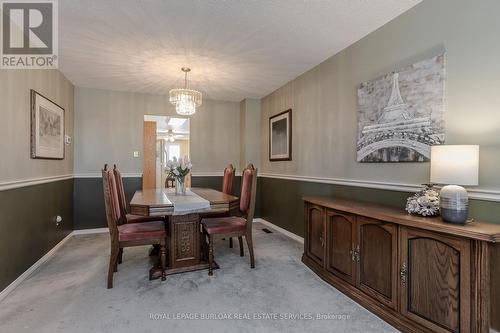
(455, 164)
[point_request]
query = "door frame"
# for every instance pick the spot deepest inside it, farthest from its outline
(149, 155)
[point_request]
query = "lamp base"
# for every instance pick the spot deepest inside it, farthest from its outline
(454, 204)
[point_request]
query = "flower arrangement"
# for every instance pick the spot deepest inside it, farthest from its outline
(424, 202)
(179, 169)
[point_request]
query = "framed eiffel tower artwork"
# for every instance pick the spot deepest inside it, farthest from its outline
(401, 114)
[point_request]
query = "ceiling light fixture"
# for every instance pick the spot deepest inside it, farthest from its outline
(185, 100)
(170, 136)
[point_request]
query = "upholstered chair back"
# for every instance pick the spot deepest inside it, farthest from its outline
(111, 203)
(227, 184)
(248, 192)
(121, 191)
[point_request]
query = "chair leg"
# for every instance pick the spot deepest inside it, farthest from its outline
(120, 255)
(231, 242)
(113, 258)
(240, 240)
(163, 261)
(250, 249)
(210, 255)
(117, 259)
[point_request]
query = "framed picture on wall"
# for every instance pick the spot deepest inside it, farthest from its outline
(280, 136)
(47, 128)
(401, 114)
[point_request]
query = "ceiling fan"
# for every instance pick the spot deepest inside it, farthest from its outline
(170, 136)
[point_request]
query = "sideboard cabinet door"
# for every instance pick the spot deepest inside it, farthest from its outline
(341, 240)
(378, 260)
(315, 233)
(435, 280)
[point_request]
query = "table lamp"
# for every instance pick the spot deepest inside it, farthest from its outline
(454, 165)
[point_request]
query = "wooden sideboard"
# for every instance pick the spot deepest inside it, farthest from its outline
(419, 274)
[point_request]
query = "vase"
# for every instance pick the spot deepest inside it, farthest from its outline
(180, 186)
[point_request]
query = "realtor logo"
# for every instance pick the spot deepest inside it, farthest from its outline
(29, 34)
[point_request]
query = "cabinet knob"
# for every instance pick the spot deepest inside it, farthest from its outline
(354, 253)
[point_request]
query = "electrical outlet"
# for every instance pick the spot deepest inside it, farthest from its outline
(136, 153)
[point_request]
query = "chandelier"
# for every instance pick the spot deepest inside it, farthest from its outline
(185, 100)
(170, 136)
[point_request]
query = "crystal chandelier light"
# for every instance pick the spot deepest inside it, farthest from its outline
(185, 100)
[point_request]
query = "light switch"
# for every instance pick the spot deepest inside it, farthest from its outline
(136, 153)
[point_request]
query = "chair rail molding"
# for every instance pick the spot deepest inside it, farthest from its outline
(207, 174)
(99, 175)
(139, 174)
(474, 193)
(13, 184)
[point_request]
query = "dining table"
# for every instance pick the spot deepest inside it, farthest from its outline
(182, 213)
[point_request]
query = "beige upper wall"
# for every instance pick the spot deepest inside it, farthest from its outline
(15, 123)
(109, 126)
(250, 132)
(324, 99)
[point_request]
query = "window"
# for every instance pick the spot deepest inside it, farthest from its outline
(174, 151)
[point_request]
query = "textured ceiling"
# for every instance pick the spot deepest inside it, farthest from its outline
(236, 49)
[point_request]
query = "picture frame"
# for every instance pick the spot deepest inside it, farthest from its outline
(280, 136)
(402, 114)
(47, 128)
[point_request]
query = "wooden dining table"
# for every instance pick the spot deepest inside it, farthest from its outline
(186, 248)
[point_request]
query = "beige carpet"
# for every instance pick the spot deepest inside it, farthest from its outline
(68, 294)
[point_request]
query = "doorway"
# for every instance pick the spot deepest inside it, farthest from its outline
(165, 137)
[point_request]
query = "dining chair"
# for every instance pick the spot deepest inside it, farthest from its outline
(235, 226)
(128, 235)
(170, 182)
(125, 216)
(227, 188)
(227, 183)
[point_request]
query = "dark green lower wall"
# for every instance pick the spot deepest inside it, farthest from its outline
(281, 201)
(89, 201)
(28, 230)
(27, 225)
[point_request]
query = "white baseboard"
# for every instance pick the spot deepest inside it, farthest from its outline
(279, 229)
(90, 231)
(33, 268)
